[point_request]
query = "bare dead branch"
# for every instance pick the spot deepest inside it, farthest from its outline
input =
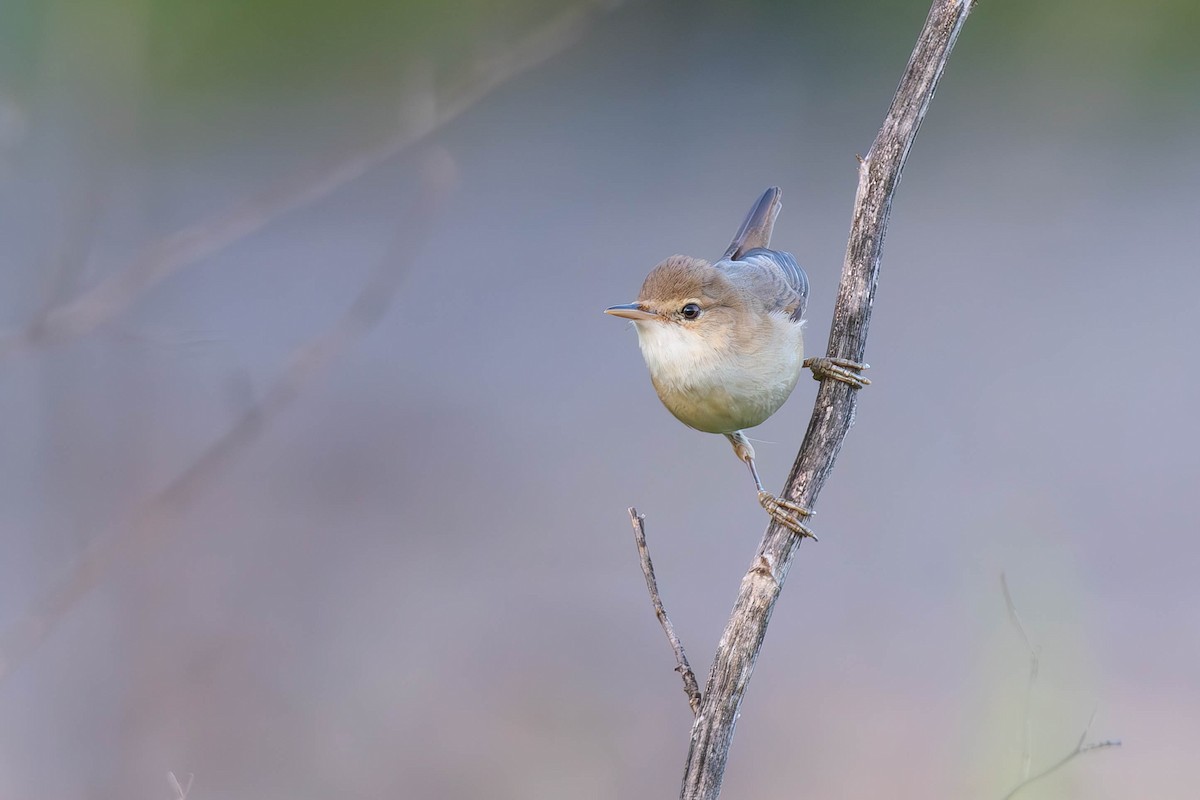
(190, 245)
(1034, 665)
(833, 412)
(156, 520)
(690, 686)
(1080, 749)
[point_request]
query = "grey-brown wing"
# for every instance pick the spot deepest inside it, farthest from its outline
(774, 276)
(756, 229)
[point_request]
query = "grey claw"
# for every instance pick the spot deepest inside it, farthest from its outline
(787, 514)
(838, 369)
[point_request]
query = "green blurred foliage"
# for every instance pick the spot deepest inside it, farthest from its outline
(1151, 45)
(231, 46)
(167, 73)
(234, 47)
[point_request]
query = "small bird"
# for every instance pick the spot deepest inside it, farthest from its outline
(724, 342)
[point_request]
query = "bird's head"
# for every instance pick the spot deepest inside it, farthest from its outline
(684, 293)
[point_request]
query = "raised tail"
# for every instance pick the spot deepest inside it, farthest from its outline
(756, 230)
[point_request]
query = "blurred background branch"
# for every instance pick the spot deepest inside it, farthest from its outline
(1081, 747)
(180, 790)
(426, 113)
(1034, 662)
(159, 516)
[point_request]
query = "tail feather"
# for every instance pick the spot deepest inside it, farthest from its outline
(756, 230)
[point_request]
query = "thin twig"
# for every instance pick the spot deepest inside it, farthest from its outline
(833, 412)
(157, 518)
(189, 245)
(1080, 749)
(1034, 665)
(690, 686)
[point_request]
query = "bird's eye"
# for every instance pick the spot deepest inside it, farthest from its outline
(690, 311)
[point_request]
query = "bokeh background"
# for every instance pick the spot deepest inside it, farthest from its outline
(417, 580)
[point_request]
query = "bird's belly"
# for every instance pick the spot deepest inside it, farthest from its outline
(729, 404)
(723, 395)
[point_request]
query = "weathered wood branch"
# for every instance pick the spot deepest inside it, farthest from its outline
(833, 412)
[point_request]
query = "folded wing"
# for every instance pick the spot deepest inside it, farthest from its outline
(774, 277)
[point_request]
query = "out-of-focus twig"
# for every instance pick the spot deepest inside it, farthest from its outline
(1026, 723)
(1081, 747)
(157, 518)
(1034, 665)
(690, 687)
(180, 790)
(185, 247)
(70, 254)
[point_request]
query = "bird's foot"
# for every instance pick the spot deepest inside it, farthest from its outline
(838, 369)
(787, 514)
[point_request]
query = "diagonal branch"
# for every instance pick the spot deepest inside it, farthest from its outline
(833, 413)
(690, 687)
(167, 256)
(156, 519)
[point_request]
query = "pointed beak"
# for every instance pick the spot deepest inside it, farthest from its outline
(633, 311)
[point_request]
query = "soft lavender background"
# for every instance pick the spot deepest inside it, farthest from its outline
(420, 583)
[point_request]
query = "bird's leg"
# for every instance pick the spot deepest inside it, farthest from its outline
(785, 512)
(838, 369)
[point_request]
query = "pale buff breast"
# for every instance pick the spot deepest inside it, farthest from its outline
(722, 389)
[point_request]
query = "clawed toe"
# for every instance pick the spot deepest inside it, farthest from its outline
(838, 369)
(786, 513)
